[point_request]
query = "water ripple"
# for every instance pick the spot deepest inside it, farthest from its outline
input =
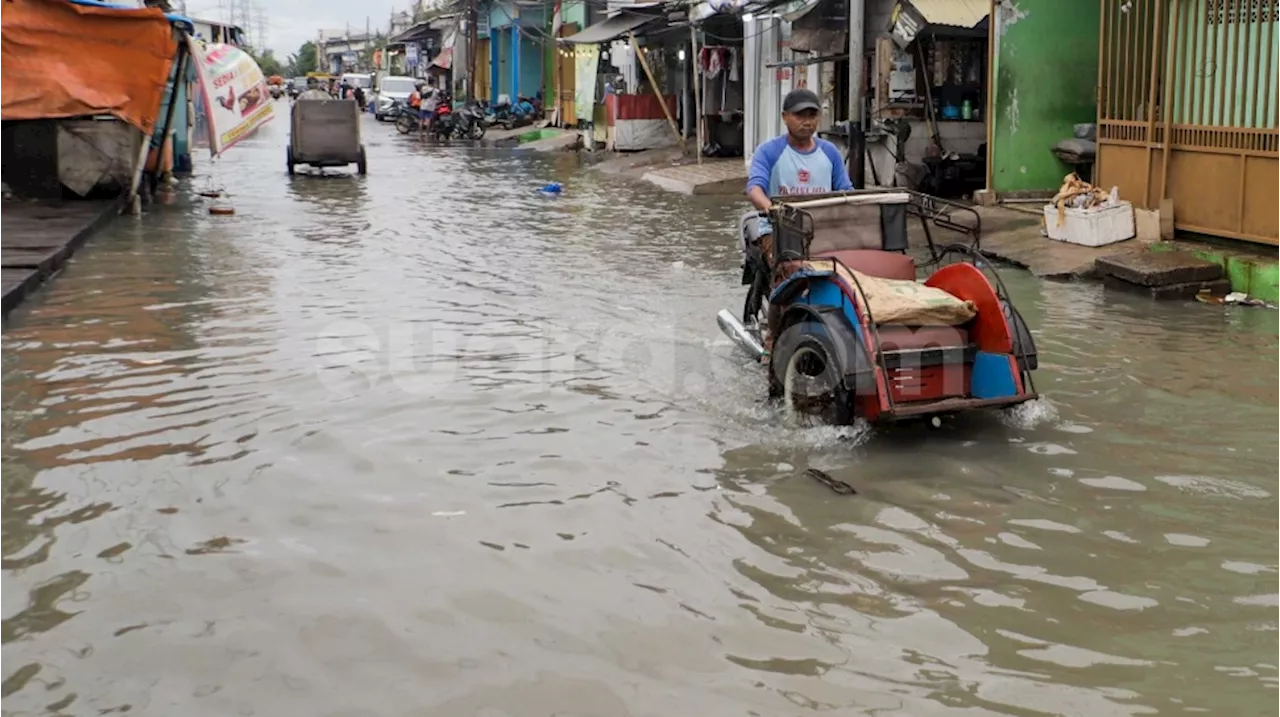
(427, 441)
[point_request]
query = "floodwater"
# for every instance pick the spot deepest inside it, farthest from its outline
(427, 443)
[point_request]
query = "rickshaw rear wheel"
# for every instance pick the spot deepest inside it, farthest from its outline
(362, 165)
(288, 159)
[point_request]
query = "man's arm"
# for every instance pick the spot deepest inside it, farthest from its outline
(758, 179)
(840, 181)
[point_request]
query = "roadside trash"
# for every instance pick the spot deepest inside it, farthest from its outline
(221, 207)
(1075, 193)
(1235, 298)
(551, 190)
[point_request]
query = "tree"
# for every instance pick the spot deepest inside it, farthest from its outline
(268, 62)
(304, 60)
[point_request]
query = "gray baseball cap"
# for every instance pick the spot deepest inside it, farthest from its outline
(801, 100)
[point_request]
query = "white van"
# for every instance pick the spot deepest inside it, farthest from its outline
(353, 81)
(392, 88)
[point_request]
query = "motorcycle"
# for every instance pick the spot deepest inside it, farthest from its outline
(507, 114)
(470, 121)
(531, 107)
(406, 117)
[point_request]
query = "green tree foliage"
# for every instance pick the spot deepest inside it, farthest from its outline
(303, 61)
(266, 60)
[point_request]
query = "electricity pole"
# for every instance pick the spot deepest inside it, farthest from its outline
(472, 30)
(857, 133)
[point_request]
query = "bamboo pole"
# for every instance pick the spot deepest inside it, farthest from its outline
(657, 91)
(131, 203)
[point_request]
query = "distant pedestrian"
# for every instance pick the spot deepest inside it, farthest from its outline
(430, 102)
(313, 91)
(358, 93)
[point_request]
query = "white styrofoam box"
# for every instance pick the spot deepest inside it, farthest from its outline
(1091, 228)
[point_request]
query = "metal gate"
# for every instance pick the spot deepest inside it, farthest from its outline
(1187, 110)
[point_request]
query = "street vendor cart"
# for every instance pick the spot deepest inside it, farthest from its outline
(325, 133)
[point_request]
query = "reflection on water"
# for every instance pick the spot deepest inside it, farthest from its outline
(426, 442)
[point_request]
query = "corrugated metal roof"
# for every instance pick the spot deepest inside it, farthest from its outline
(955, 13)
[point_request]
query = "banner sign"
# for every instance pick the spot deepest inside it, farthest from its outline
(236, 98)
(905, 22)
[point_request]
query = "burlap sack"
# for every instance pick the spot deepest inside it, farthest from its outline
(910, 303)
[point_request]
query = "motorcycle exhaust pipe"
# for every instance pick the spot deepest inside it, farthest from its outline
(734, 329)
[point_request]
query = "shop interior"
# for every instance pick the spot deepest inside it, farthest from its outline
(719, 64)
(928, 129)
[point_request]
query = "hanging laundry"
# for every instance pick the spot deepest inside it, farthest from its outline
(734, 61)
(711, 60)
(717, 62)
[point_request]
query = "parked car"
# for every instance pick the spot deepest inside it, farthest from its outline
(390, 90)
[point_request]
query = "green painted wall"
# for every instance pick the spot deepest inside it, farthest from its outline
(1257, 276)
(574, 12)
(1044, 80)
(1220, 66)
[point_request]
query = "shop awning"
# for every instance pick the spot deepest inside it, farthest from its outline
(802, 11)
(952, 13)
(444, 58)
(63, 59)
(819, 26)
(612, 28)
(416, 33)
(909, 17)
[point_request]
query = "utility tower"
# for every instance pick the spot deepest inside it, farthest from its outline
(260, 27)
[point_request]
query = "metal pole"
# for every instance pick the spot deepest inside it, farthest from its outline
(551, 105)
(857, 147)
(697, 87)
(472, 20)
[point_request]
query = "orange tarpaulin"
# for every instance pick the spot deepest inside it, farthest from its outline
(59, 59)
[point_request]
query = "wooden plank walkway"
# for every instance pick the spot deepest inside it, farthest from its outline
(37, 238)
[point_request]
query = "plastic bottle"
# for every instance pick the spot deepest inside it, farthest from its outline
(966, 110)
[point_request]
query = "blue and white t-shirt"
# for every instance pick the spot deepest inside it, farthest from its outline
(780, 169)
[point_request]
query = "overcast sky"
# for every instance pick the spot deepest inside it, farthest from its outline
(289, 23)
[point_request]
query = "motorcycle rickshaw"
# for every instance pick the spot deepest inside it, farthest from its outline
(847, 330)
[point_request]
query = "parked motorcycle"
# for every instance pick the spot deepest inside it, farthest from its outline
(470, 121)
(531, 107)
(406, 117)
(506, 114)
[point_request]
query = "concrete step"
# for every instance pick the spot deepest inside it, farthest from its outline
(1158, 268)
(1185, 290)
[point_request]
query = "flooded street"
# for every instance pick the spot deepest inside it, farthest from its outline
(426, 443)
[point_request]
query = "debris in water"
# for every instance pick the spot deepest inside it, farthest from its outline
(1235, 298)
(834, 484)
(222, 207)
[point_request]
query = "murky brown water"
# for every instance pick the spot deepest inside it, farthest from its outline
(429, 444)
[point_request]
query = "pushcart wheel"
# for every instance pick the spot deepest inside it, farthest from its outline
(362, 165)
